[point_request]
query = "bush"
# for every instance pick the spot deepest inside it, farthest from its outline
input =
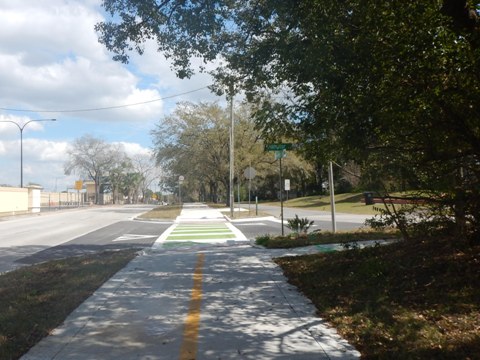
(299, 225)
(263, 240)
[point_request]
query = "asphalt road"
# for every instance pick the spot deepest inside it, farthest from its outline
(322, 221)
(31, 239)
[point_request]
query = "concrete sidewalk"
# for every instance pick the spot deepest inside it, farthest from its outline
(198, 212)
(244, 308)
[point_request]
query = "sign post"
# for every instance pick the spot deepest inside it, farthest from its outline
(331, 187)
(78, 187)
(249, 175)
(181, 178)
(280, 153)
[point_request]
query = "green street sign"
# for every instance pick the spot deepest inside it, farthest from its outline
(278, 147)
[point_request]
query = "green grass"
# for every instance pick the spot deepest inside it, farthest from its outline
(318, 238)
(351, 203)
(35, 300)
(166, 212)
(417, 300)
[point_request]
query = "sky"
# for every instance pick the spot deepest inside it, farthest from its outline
(51, 64)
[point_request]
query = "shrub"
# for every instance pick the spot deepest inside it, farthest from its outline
(263, 240)
(299, 225)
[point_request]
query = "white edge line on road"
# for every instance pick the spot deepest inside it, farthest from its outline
(161, 239)
(238, 234)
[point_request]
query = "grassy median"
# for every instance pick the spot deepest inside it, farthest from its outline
(36, 299)
(166, 212)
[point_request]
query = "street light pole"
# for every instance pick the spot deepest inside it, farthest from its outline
(21, 127)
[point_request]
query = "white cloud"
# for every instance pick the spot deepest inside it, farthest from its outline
(50, 59)
(154, 64)
(133, 149)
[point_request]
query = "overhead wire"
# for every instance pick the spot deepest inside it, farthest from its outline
(106, 107)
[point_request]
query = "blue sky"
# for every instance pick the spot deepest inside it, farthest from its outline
(50, 60)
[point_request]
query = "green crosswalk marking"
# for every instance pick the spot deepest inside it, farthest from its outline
(201, 237)
(201, 232)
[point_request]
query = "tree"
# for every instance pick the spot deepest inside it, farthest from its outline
(150, 172)
(393, 85)
(130, 186)
(120, 165)
(93, 158)
(194, 142)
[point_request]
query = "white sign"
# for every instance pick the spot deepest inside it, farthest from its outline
(181, 178)
(249, 173)
(287, 184)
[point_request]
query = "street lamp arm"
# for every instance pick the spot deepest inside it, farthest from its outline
(21, 127)
(28, 122)
(21, 141)
(13, 122)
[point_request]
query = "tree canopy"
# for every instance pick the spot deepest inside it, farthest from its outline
(393, 85)
(194, 142)
(109, 167)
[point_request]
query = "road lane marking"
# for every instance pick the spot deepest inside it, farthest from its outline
(201, 237)
(188, 350)
(126, 237)
(239, 235)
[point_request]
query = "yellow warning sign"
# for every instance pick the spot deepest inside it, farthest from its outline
(78, 185)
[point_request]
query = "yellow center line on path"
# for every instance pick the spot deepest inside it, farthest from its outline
(188, 350)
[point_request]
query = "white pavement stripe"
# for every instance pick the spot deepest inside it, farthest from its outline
(203, 241)
(177, 230)
(160, 240)
(127, 237)
(239, 235)
(174, 233)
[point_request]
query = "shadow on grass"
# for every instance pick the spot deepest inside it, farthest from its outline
(322, 201)
(406, 300)
(36, 299)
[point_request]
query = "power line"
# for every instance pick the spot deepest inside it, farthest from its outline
(104, 108)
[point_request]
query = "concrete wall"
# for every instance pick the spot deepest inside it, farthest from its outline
(17, 201)
(13, 201)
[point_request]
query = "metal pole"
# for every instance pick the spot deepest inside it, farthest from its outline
(180, 192)
(21, 156)
(21, 141)
(281, 194)
(231, 152)
(249, 193)
(238, 194)
(332, 196)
